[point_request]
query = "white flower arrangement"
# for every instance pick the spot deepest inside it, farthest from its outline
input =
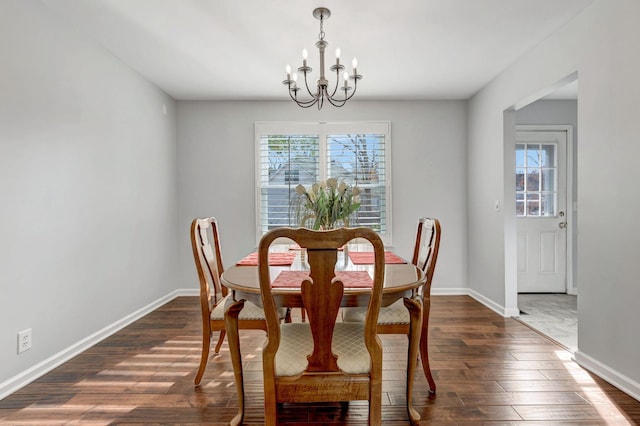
(327, 203)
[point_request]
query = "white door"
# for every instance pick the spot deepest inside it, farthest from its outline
(541, 207)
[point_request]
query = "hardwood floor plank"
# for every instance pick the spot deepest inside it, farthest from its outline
(523, 365)
(571, 412)
(547, 385)
(608, 395)
(523, 398)
(435, 414)
(489, 374)
(489, 370)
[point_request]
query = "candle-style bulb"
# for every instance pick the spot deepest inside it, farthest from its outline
(355, 63)
(305, 53)
(288, 69)
(345, 76)
(338, 53)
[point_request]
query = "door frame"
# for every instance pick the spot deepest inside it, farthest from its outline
(571, 204)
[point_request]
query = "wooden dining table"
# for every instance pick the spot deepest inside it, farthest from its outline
(402, 280)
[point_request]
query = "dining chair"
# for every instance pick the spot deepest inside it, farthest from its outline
(214, 297)
(395, 319)
(321, 360)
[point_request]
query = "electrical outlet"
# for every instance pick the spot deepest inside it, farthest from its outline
(24, 340)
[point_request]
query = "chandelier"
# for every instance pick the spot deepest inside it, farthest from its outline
(340, 93)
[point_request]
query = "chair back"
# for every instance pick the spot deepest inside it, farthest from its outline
(208, 258)
(425, 253)
(321, 293)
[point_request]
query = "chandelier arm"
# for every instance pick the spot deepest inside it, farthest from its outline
(306, 83)
(337, 83)
(323, 95)
(303, 104)
(306, 105)
(355, 87)
(337, 102)
(345, 99)
(300, 102)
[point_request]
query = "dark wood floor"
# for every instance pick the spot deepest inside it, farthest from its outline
(489, 370)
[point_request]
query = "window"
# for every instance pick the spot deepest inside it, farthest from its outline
(536, 186)
(288, 154)
(292, 175)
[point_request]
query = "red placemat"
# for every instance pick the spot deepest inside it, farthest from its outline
(350, 279)
(366, 257)
(275, 259)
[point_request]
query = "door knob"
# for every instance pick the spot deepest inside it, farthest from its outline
(562, 225)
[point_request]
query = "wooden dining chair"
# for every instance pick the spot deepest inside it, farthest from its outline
(395, 318)
(321, 360)
(213, 295)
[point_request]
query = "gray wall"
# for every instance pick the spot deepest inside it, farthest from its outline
(601, 46)
(88, 187)
(428, 152)
(550, 112)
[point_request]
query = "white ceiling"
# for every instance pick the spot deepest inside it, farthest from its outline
(238, 49)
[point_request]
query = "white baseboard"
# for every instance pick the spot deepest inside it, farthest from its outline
(500, 310)
(449, 291)
(620, 381)
(24, 378)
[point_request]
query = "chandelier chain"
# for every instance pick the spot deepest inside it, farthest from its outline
(321, 35)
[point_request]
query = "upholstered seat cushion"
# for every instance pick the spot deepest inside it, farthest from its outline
(397, 313)
(249, 312)
(296, 343)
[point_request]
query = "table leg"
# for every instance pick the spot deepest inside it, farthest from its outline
(231, 324)
(414, 306)
(424, 347)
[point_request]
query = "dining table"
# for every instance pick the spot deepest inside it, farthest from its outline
(287, 270)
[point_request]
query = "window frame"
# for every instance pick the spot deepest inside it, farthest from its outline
(322, 130)
(540, 170)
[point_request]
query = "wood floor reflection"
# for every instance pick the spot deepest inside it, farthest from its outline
(489, 370)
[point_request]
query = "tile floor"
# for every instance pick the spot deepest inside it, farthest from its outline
(554, 315)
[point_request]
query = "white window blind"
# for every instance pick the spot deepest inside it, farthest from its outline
(285, 162)
(288, 154)
(358, 159)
